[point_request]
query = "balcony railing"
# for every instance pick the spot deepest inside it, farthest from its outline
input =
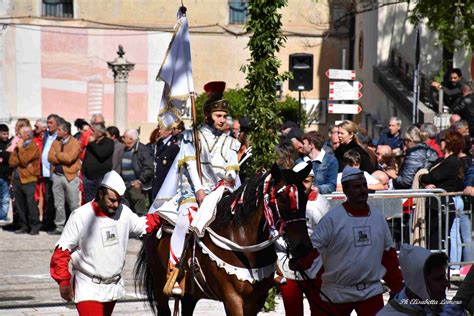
(405, 71)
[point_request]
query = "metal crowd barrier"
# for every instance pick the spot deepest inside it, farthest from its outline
(390, 202)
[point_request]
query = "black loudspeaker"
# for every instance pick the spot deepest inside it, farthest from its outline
(301, 65)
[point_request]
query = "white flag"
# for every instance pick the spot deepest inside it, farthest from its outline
(177, 74)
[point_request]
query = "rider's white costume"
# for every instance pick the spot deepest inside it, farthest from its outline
(218, 161)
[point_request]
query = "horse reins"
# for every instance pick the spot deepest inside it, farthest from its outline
(294, 207)
(306, 278)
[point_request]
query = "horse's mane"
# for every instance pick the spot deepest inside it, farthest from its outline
(242, 212)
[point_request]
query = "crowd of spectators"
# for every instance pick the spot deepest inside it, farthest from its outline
(403, 157)
(47, 172)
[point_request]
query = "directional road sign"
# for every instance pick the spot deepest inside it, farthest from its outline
(341, 74)
(344, 90)
(345, 85)
(339, 108)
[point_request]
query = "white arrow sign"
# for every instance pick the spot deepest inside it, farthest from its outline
(341, 74)
(338, 108)
(345, 85)
(344, 90)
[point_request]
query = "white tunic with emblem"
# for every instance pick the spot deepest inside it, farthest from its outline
(352, 249)
(98, 246)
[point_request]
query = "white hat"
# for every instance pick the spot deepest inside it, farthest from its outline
(300, 166)
(113, 181)
(351, 173)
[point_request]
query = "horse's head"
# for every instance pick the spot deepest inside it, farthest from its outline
(289, 200)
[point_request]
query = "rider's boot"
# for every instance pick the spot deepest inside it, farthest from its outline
(172, 276)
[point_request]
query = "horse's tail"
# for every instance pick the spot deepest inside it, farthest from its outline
(144, 278)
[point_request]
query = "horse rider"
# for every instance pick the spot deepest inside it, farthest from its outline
(296, 285)
(218, 162)
(357, 251)
(95, 239)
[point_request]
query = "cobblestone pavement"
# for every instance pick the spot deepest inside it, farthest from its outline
(27, 289)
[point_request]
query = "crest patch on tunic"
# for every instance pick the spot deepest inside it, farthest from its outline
(362, 236)
(109, 236)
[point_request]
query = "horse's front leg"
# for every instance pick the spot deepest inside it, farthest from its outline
(254, 302)
(242, 298)
(233, 303)
(188, 303)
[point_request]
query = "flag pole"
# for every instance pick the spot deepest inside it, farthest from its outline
(197, 146)
(196, 135)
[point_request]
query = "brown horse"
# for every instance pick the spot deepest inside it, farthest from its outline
(241, 217)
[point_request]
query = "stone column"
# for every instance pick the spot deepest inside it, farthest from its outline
(120, 67)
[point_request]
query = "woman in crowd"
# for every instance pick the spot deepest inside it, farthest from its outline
(447, 173)
(418, 155)
(286, 153)
(348, 140)
(82, 127)
(20, 123)
(154, 138)
(461, 232)
(428, 133)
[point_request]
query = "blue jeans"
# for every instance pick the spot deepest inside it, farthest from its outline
(4, 199)
(460, 233)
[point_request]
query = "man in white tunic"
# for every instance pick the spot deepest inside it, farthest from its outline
(95, 239)
(357, 251)
(218, 162)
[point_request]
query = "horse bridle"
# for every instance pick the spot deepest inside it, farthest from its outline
(270, 197)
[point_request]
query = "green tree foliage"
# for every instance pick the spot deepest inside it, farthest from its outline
(289, 110)
(258, 99)
(269, 304)
(452, 19)
(264, 23)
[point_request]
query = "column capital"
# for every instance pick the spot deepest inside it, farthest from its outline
(121, 71)
(120, 66)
